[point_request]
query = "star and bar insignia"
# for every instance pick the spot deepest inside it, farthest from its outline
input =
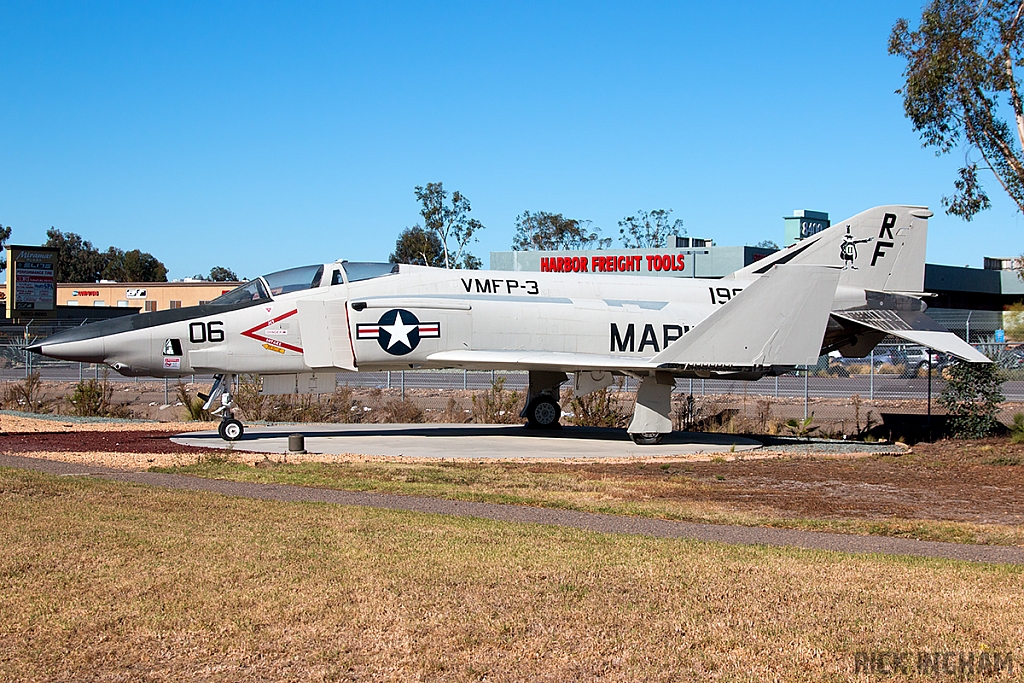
(398, 331)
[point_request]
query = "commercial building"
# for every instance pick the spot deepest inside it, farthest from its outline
(79, 303)
(969, 301)
(146, 296)
(141, 296)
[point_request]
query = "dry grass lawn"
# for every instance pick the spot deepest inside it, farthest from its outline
(109, 582)
(711, 493)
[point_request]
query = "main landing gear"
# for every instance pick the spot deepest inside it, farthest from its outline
(542, 410)
(647, 438)
(650, 423)
(229, 429)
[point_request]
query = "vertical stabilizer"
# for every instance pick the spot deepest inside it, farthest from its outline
(881, 249)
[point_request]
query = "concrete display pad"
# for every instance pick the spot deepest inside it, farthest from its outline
(468, 441)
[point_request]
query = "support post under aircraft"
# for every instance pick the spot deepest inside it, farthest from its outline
(298, 327)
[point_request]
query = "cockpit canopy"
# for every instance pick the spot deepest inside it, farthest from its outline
(358, 270)
(302, 278)
(294, 279)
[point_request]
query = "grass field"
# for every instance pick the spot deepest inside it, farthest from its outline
(103, 581)
(665, 491)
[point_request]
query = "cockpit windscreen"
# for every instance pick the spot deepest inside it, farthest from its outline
(250, 291)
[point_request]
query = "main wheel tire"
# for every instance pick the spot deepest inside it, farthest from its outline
(230, 430)
(543, 413)
(647, 439)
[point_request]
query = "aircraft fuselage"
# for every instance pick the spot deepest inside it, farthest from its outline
(400, 320)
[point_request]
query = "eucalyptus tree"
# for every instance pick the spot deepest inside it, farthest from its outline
(961, 92)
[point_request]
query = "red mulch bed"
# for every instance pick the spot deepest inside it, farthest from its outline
(154, 441)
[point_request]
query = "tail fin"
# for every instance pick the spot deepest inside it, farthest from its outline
(881, 249)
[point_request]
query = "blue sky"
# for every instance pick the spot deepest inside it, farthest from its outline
(259, 136)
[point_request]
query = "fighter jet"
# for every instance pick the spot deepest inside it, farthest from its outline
(297, 328)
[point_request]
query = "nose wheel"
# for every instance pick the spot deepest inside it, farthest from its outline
(230, 429)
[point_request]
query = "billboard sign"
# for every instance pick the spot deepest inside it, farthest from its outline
(31, 282)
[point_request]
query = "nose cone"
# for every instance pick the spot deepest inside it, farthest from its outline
(80, 344)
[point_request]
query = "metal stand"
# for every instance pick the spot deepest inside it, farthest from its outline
(929, 421)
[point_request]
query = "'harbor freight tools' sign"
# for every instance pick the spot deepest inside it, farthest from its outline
(31, 282)
(613, 264)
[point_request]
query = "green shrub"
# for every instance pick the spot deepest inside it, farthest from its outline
(598, 409)
(194, 410)
(92, 398)
(1017, 428)
(498, 405)
(801, 428)
(971, 397)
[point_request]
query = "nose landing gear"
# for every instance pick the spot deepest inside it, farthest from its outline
(229, 429)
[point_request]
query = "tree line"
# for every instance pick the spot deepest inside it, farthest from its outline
(442, 239)
(79, 261)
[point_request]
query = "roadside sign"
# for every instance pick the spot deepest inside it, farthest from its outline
(31, 282)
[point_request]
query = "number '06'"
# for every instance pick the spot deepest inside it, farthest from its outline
(212, 331)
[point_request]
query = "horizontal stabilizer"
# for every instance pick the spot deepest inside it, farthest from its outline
(916, 328)
(779, 319)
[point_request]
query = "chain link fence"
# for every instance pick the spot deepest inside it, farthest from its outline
(840, 396)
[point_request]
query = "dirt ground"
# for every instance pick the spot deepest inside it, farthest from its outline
(967, 481)
(977, 481)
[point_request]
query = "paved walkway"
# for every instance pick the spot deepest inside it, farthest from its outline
(521, 514)
(468, 441)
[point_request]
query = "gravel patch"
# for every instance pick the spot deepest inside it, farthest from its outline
(17, 422)
(778, 445)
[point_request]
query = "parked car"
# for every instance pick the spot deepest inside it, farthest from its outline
(1011, 357)
(908, 360)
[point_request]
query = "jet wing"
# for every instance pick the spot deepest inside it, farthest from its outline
(915, 327)
(548, 360)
